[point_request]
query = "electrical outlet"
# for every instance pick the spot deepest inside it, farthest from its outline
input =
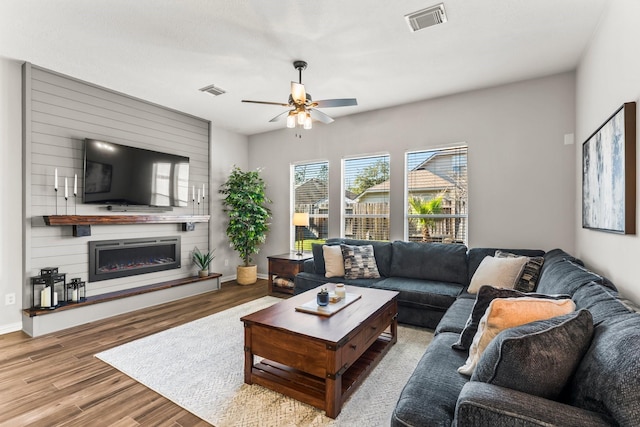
(226, 263)
(9, 299)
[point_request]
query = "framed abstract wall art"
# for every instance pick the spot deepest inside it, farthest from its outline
(609, 174)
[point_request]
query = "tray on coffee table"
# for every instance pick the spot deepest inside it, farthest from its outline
(330, 309)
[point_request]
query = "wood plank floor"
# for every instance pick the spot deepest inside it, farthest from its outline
(55, 380)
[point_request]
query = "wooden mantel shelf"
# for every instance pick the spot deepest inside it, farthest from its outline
(82, 223)
(122, 219)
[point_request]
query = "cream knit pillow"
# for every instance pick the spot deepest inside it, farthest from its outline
(333, 261)
(497, 272)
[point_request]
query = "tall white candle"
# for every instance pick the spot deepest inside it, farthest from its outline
(66, 190)
(55, 299)
(55, 180)
(45, 297)
(198, 196)
(203, 193)
(74, 295)
(193, 189)
(75, 185)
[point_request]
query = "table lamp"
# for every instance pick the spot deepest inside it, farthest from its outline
(300, 219)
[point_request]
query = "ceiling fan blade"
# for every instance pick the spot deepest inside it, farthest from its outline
(320, 116)
(344, 102)
(279, 116)
(266, 102)
(298, 93)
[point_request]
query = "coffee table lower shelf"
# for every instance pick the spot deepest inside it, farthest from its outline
(310, 389)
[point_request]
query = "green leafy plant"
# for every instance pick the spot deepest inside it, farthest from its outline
(245, 203)
(422, 206)
(202, 260)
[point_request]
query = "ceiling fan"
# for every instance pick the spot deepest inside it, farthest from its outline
(302, 108)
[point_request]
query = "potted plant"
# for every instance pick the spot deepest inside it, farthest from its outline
(245, 203)
(202, 261)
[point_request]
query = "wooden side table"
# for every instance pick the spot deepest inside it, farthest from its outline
(285, 266)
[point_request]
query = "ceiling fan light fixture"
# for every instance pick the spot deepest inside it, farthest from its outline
(302, 115)
(308, 123)
(291, 120)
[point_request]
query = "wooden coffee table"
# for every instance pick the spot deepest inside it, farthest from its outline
(316, 359)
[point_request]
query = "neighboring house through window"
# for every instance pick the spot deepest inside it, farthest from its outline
(365, 213)
(310, 188)
(436, 195)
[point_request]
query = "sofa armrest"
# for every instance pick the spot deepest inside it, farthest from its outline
(482, 404)
(308, 266)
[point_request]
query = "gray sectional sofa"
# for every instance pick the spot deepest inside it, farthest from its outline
(602, 388)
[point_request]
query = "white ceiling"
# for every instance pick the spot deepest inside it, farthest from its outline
(163, 51)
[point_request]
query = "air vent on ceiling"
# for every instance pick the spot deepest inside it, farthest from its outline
(215, 91)
(428, 17)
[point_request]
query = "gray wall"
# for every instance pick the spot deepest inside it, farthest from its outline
(608, 77)
(10, 195)
(521, 174)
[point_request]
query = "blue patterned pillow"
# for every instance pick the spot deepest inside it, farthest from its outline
(359, 262)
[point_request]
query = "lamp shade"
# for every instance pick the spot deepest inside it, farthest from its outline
(301, 219)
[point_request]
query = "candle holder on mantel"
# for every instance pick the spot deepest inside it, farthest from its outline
(76, 291)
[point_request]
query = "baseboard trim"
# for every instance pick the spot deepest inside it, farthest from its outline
(11, 327)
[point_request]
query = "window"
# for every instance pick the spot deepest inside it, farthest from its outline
(436, 195)
(366, 198)
(311, 195)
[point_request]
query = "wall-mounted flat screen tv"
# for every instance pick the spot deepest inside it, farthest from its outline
(123, 175)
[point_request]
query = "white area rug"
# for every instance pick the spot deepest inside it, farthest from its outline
(199, 366)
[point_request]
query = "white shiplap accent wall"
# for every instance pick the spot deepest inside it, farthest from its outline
(60, 112)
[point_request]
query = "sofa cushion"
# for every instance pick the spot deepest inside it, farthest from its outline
(318, 258)
(381, 250)
(528, 280)
(564, 277)
(429, 397)
(333, 261)
(498, 272)
(421, 293)
(486, 294)
(600, 301)
(476, 255)
(359, 262)
(506, 313)
(431, 261)
(456, 316)
(537, 358)
(608, 377)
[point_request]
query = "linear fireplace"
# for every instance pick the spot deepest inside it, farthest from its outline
(109, 259)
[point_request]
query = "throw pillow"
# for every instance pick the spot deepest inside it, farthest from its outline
(486, 294)
(359, 262)
(504, 313)
(538, 358)
(333, 261)
(529, 277)
(498, 272)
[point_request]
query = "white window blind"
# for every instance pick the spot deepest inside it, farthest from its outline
(436, 194)
(311, 195)
(366, 198)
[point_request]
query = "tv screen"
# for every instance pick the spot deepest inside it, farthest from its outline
(123, 175)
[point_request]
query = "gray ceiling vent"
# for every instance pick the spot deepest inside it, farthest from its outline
(428, 17)
(215, 91)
